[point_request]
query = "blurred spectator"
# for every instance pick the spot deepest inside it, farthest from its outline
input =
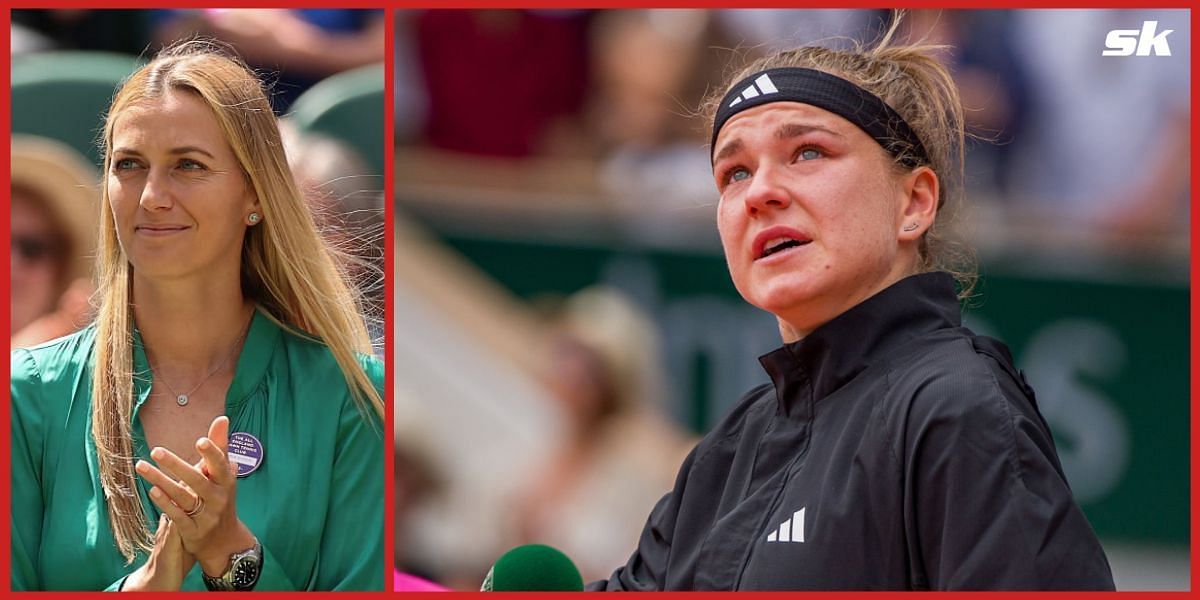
(651, 70)
(415, 476)
(24, 40)
(619, 455)
(123, 31)
(1109, 146)
(303, 45)
(764, 31)
(408, 99)
(647, 64)
(504, 83)
(53, 223)
(992, 81)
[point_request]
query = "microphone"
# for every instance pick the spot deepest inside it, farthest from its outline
(533, 568)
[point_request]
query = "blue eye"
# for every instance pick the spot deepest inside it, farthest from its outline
(188, 164)
(737, 174)
(809, 154)
(123, 164)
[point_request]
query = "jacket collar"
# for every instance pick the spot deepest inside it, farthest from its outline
(261, 340)
(867, 333)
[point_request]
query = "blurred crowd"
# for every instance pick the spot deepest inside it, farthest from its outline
(56, 190)
(1064, 139)
(301, 46)
(575, 459)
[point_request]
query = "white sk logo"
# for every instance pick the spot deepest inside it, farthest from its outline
(792, 530)
(1127, 42)
(761, 86)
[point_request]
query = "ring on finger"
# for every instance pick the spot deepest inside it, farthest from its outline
(198, 508)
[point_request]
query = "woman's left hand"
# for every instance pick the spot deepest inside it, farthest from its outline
(201, 499)
(166, 566)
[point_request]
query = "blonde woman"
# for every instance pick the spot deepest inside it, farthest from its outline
(219, 425)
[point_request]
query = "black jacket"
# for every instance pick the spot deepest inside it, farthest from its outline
(894, 449)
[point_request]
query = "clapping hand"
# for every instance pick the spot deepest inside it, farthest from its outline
(201, 499)
(168, 564)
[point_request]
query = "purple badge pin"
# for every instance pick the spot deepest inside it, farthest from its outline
(246, 452)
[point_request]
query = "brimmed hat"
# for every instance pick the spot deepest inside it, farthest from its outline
(624, 337)
(70, 187)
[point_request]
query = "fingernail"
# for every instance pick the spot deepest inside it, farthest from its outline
(204, 444)
(155, 492)
(157, 453)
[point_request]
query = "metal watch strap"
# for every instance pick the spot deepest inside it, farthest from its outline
(242, 574)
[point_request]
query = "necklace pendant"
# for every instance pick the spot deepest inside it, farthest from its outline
(182, 400)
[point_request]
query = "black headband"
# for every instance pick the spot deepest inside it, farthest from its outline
(834, 94)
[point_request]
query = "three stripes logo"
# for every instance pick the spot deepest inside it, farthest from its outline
(761, 87)
(792, 530)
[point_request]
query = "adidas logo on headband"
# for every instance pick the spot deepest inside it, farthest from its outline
(829, 92)
(761, 87)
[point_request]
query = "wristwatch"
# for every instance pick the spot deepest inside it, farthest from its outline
(242, 574)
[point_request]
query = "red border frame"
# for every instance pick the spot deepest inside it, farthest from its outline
(1194, 327)
(5, 435)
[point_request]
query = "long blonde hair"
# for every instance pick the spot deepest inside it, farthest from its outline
(287, 268)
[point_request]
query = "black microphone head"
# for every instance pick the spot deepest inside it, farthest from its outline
(533, 567)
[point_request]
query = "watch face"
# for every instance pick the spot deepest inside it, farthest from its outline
(245, 572)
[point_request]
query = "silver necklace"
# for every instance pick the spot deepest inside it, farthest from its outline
(182, 399)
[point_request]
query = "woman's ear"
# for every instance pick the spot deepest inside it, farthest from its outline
(919, 203)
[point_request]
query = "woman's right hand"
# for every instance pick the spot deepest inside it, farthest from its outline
(168, 564)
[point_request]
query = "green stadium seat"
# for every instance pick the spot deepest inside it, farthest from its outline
(348, 106)
(64, 95)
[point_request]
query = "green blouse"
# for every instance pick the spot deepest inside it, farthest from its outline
(316, 502)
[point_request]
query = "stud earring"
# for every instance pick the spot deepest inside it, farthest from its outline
(911, 227)
(254, 218)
